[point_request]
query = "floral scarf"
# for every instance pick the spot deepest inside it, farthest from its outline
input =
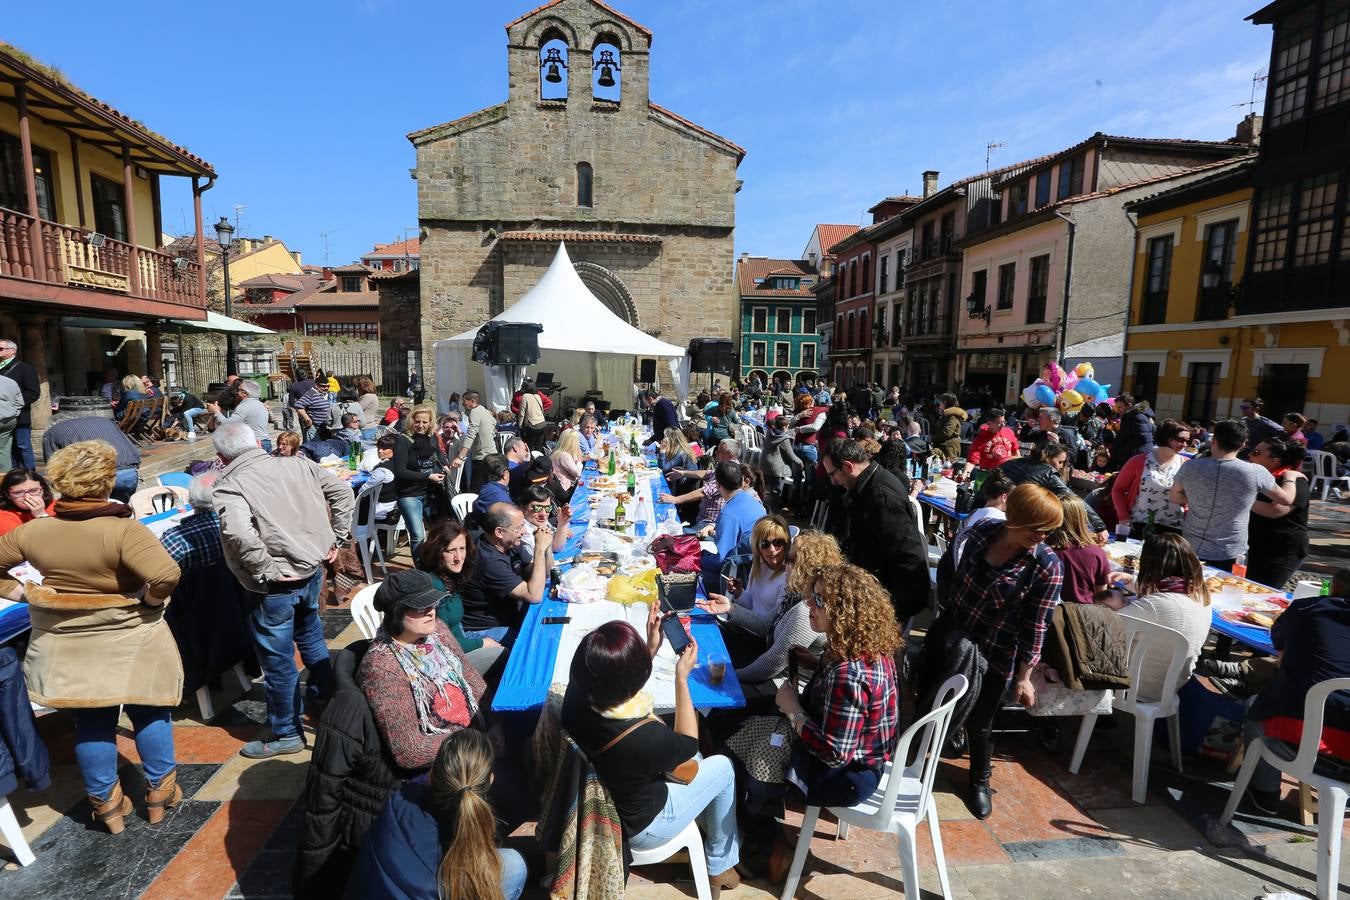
(436, 676)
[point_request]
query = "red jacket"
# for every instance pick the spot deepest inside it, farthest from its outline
(543, 399)
(991, 449)
(1125, 489)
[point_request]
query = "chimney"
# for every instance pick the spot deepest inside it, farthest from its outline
(744, 256)
(930, 179)
(295, 255)
(1249, 130)
(267, 239)
(327, 273)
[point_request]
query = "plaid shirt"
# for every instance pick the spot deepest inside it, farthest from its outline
(1004, 609)
(858, 713)
(195, 541)
(713, 501)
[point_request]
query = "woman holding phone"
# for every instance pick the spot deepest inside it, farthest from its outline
(634, 753)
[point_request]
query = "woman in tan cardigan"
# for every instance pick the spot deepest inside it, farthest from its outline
(99, 637)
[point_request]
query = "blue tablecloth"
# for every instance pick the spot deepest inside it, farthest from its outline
(942, 505)
(1252, 635)
(529, 668)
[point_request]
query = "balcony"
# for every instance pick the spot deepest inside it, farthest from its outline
(926, 330)
(67, 259)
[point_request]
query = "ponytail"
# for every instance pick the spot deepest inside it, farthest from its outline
(460, 779)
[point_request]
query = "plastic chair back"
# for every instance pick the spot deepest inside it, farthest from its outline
(363, 611)
(155, 500)
(1314, 711)
(462, 505)
(175, 479)
(930, 731)
(1141, 638)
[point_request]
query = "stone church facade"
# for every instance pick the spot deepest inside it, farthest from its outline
(645, 199)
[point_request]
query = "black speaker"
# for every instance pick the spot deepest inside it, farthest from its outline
(647, 371)
(507, 344)
(712, 355)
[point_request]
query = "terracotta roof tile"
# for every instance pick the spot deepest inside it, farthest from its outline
(605, 6)
(578, 236)
(407, 247)
(359, 299)
(833, 234)
(758, 267)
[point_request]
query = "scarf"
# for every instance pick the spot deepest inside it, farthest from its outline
(638, 706)
(431, 669)
(1174, 584)
(85, 508)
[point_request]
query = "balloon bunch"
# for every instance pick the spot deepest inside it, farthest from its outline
(1065, 391)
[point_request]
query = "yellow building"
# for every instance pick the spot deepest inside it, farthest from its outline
(250, 258)
(1190, 348)
(84, 273)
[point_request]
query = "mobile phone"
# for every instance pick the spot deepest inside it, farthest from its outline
(674, 631)
(557, 620)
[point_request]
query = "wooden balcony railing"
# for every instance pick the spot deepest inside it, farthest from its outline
(70, 260)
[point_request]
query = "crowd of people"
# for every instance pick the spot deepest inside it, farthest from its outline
(415, 779)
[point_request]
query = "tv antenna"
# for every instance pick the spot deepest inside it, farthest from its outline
(324, 235)
(1258, 77)
(989, 149)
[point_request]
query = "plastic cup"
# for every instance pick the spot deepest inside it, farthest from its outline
(717, 668)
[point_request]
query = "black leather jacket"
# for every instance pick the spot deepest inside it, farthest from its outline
(1024, 470)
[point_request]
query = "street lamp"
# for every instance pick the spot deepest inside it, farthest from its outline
(224, 232)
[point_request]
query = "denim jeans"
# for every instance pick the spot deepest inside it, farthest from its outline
(280, 620)
(126, 483)
(497, 634)
(514, 873)
(23, 447)
(413, 519)
(710, 798)
(8, 455)
(810, 455)
(188, 417)
(96, 745)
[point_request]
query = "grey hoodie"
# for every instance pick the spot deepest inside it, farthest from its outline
(11, 398)
(779, 460)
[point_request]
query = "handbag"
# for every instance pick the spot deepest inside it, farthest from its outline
(684, 773)
(764, 745)
(677, 553)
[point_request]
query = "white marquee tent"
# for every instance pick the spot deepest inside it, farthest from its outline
(584, 345)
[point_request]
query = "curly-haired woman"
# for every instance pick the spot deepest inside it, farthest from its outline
(789, 627)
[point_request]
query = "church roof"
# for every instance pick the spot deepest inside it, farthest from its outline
(605, 6)
(579, 236)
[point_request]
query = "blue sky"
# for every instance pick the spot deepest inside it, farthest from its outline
(303, 105)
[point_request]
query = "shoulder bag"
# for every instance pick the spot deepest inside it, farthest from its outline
(684, 773)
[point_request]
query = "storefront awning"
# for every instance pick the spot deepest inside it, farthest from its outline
(215, 322)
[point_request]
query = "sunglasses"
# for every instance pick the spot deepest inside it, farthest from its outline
(817, 601)
(775, 543)
(541, 507)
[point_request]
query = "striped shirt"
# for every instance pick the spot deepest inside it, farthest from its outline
(91, 428)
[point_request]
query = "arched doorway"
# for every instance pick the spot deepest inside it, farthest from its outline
(612, 292)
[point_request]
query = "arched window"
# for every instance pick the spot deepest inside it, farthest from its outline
(606, 73)
(584, 185)
(553, 73)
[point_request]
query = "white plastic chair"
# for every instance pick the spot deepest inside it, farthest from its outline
(9, 827)
(691, 840)
(819, 513)
(1324, 467)
(1331, 794)
(363, 611)
(901, 801)
(462, 505)
(369, 532)
(1140, 638)
(175, 479)
(203, 695)
(152, 501)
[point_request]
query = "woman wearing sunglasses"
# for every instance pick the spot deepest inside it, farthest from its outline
(537, 502)
(763, 590)
(846, 720)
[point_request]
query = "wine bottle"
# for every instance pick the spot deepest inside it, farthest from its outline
(1150, 527)
(612, 461)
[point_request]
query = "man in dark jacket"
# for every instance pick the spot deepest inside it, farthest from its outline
(27, 379)
(351, 776)
(1048, 465)
(1313, 639)
(663, 415)
(883, 533)
(1135, 434)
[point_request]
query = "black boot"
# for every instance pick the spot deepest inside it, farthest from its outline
(981, 801)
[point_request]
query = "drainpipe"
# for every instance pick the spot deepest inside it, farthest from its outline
(1133, 219)
(1063, 340)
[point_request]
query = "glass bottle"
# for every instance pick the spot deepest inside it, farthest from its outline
(612, 462)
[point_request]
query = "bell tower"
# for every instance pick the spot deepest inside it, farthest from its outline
(581, 55)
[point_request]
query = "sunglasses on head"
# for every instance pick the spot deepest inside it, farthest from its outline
(775, 543)
(817, 600)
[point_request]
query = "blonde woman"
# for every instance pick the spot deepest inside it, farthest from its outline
(1086, 565)
(789, 627)
(288, 444)
(763, 591)
(402, 855)
(99, 639)
(1171, 592)
(674, 452)
(567, 460)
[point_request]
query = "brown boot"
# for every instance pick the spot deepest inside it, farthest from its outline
(166, 794)
(725, 881)
(111, 811)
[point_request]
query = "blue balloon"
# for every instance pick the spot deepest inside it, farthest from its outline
(1106, 389)
(1045, 395)
(1090, 389)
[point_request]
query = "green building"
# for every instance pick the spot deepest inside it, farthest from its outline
(778, 318)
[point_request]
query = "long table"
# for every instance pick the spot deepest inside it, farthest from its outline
(531, 665)
(1253, 636)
